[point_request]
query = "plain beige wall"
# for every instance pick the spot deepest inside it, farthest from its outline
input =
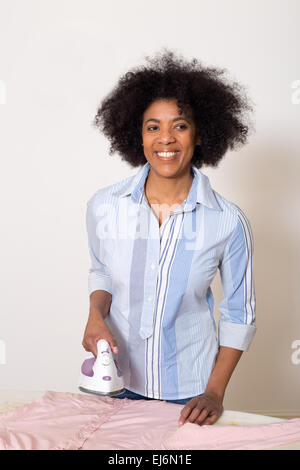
(59, 58)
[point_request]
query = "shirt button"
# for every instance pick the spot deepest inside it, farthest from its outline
(152, 266)
(150, 298)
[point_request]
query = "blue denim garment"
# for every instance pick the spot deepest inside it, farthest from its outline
(136, 396)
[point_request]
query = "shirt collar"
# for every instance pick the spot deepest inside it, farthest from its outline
(200, 191)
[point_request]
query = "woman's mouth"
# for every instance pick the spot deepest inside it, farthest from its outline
(167, 156)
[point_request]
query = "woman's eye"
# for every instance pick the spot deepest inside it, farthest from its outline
(179, 125)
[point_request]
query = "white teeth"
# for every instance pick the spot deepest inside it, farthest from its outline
(166, 154)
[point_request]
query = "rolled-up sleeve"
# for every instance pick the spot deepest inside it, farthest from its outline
(237, 324)
(99, 277)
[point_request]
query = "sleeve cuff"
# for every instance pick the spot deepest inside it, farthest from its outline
(236, 335)
(99, 282)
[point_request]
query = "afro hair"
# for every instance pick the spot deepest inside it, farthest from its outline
(220, 108)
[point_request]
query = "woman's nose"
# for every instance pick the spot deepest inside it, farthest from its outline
(166, 136)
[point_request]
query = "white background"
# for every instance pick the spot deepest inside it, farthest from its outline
(58, 59)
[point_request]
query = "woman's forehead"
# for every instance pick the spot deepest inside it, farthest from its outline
(166, 108)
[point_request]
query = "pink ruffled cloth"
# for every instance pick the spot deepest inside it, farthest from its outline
(59, 421)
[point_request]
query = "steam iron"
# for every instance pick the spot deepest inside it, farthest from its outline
(101, 375)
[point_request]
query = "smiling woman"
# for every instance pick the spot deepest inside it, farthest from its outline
(220, 109)
(150, 296)
(168, 147)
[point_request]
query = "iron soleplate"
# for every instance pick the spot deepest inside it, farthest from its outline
(103, 394)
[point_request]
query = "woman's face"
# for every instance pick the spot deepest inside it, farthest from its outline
(165, 130)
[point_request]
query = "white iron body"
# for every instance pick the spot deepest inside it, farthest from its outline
(101, 375)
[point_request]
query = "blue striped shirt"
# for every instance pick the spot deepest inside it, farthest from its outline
(161, 313)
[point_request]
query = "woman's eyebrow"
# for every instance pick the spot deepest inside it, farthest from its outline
(175, 119)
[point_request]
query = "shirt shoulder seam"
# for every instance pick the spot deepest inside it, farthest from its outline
(109, 190)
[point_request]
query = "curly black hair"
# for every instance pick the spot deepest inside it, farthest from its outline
(220, 108)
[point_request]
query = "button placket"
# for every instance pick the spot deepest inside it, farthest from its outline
(150, 291)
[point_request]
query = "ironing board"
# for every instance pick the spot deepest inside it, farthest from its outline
(11, 400)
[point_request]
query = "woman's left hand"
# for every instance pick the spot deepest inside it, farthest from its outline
(203, 409)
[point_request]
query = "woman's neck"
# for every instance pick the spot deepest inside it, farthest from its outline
(164, 190)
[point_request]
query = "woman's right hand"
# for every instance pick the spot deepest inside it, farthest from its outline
(97, 329)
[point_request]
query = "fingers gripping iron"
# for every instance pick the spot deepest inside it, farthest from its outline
(101, 375)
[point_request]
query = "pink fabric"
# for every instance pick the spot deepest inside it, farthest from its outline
(73, 421)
